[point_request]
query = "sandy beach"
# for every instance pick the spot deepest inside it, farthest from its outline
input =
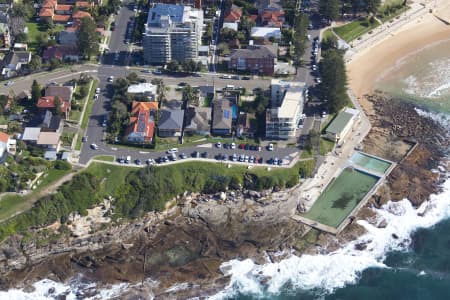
(372, 62)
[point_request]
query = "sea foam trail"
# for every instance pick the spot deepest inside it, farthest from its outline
(325, 273)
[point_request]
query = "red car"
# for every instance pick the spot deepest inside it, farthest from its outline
(241, 146)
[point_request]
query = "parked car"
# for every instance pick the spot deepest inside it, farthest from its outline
(205, 154)
(246, 78)
(97, 90)
(157, 72)
(173, 157)
(84, 139)
(137, 161)
(233, 146)
(150, 161)
(183, 156)
(110, 78)
(196, 154)
(94, 146)
(270, 147)
(173, 150)
(219, 145)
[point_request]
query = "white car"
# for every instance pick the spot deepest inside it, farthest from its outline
(219, 145)
(97, 90)
(270, 147)
(173, 150)
(233, 146)
(110, 78)
(94, 146)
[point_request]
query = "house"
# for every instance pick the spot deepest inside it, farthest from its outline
(83, 5)
(142, 122)
(233, 15)
(63, 9)
(246, 126)
(3, 146)
(198, 120)
(48, 103)
(170, 122)
(342, 125)
(266, 32)
(63, 92)
(254, 59)
(222, 117)
(68, 37)
(61, 53)
(20, 47)
(144, 89)
(14, 61)
(49, 140)
(47, 121)
(264, 5)
(282, 120)
(31, 134)
(272, 18)
(5, 35)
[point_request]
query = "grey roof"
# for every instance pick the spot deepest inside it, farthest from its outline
(222, 114)
(15, 57)
(65, 155)
(171, 119)
(198, 118)
(206, 89)
(31, 133)
(46, 120)
(160, 10)
(254, 52)
(63, 92)
(339, 123)
(50, 155)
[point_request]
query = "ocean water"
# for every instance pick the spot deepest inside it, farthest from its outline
(409, 258)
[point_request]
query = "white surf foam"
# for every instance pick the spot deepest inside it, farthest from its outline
(325, 273)
(47, 289)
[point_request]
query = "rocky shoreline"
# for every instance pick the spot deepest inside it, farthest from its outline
(189, 242)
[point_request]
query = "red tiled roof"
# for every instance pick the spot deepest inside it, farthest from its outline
(63, 7)
(57, 52)
(81, 14)
(253, 17)
(233, 15)
(82, 4)
(49, 102)
(4, 137)
(49, 4)
(141, 119)
(46, 12)
(61, 18)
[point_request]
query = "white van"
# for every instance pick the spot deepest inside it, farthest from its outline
(128, 160)
(230, 87)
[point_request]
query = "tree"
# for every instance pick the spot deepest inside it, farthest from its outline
(58, 106)
(24, 10)
(133, 78)
(42, 40)
(88, 38)
(329, 9)
(190, 95)
(35, 63)
(224, 48)
(173, 66)
(372, 6)
(36, 91)
(330, 42)
(333, 88)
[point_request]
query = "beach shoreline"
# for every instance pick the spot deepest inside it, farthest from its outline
(368, 65)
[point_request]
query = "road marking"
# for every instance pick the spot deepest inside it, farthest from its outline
(114, 149)
(144, 152)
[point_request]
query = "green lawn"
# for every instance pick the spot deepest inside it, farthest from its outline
(327, 33)
(355, 29)
(112, 176)
(11, 204)
(67, 138)
(3, 120)
(109, 158)
(325, 146)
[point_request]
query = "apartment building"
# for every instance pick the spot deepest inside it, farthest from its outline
(284, 115)
(172, 32)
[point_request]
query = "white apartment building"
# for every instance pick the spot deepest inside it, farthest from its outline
(287, 103)
(172, 32)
